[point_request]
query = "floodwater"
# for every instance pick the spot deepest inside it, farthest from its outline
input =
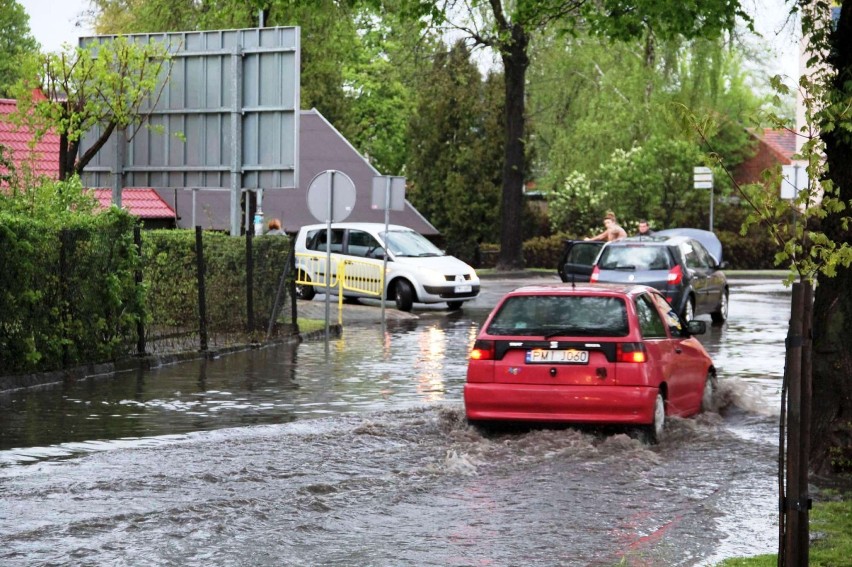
(356, 452)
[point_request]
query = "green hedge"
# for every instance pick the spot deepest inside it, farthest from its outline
(68, 296)
(53, 312)
(170, 276)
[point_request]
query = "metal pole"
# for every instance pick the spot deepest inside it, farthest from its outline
(711, 207)
(385, 260)
(805, 435)
(202, 294)
(236, 129)
(328, 253)
(791, 502)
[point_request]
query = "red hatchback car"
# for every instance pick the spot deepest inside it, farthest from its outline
(588, 354)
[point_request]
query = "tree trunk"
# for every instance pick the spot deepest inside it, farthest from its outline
(831, 424)
(515, 63)
(64, 169)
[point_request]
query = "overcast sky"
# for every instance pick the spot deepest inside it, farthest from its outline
(54, 22)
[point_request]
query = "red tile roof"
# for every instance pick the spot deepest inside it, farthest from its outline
(143, 203)
(43, 159)
(782, 141)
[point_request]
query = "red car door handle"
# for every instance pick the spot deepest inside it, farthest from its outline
(678, 350)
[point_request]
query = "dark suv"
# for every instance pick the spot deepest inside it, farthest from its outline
(684, 264)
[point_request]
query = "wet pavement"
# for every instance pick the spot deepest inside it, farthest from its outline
(356, 452)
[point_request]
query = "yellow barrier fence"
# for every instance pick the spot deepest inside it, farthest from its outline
(354, 275)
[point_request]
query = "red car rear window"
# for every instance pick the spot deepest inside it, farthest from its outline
(569, 315)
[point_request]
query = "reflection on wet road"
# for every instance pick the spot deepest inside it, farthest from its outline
(358, 454)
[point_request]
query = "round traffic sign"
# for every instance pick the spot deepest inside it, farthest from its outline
(331, 196)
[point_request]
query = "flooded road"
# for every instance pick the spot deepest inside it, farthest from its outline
(357, 453)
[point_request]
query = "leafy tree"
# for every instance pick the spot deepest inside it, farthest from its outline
(52, 202)
(590, 97)
(15, 43)
(830, 249)
(105, 85)
(508, 28)
(455, 151)
(818, 245)
(573, 206)
(381, 83)
(652, 181)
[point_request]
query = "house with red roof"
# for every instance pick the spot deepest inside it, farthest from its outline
(42, 160)
(773, 146)
(38, 161)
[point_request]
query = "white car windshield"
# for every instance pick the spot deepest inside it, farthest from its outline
(410, 243)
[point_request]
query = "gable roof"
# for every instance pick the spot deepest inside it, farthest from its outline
(781, 141)
(773, 147)
(321, 148)
(43, 159)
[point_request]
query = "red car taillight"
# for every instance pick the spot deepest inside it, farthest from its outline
(631, 352)
(596, 272)
(675, 275)
(482, 350)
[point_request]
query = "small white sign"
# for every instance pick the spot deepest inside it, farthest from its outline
(380, 190)
(703, 177)
(794, 178)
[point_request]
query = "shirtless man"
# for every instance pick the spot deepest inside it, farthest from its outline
(613, 230)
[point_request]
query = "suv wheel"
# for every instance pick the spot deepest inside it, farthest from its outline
(721, 315)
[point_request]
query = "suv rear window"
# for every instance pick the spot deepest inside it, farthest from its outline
(551, 315)
(635, 257)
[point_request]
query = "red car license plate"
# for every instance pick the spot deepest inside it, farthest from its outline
(564, 356)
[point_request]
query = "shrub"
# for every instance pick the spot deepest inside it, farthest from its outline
(544, 252)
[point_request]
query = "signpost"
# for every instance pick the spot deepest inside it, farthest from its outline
(704, 180)
(331, 197)
(388, 194)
